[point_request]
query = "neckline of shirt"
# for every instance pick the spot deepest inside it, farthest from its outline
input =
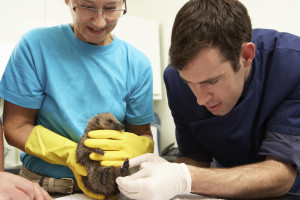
(89, 49)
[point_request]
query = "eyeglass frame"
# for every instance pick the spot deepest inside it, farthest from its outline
(100, 10)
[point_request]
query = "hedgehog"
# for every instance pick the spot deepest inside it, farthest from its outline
(100, 179)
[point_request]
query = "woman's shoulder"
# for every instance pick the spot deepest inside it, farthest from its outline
(45, 32)
(132, 50)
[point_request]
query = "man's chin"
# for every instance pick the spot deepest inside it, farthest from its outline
(219, 112)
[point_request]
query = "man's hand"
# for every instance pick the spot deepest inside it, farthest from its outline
(156, 179)
(117, 146)
(16, 187)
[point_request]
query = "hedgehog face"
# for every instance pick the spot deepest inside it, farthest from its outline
(108, 121)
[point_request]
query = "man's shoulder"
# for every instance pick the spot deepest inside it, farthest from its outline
(176, 87)
(172, 79)
(170, 73)
(272, 33)
(273, 39)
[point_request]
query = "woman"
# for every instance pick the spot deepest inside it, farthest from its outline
(59, 77)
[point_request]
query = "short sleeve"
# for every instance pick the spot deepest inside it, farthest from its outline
(20, 84)
(286, 118)
(140, 104)
(282, 147)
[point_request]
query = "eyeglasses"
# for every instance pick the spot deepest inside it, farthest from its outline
(108, 13)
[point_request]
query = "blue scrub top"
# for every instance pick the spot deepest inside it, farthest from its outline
(266, 122)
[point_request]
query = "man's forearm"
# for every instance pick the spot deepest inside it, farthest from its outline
(189, 161)
(261, 180)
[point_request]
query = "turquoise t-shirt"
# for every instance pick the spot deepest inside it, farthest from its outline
(70, 81)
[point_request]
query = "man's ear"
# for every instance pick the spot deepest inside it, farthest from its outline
(247, 53)
(67, 2)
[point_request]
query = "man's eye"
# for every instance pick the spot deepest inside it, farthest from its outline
(213, 81)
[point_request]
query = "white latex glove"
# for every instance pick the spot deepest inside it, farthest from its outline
(157, 179)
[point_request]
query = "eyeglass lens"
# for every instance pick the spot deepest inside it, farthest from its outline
(113, 12)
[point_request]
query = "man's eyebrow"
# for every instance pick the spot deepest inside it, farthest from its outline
(183, 79)
(201, 82)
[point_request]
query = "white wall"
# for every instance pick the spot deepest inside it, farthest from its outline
(275, 14)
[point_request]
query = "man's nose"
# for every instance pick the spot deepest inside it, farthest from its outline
(202, 94)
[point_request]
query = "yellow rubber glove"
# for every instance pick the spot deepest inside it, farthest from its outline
(56, 149)
(117, 146)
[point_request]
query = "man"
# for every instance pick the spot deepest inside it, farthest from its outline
(234, 95)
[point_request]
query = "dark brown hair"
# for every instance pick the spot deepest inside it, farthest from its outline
(200, 24)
